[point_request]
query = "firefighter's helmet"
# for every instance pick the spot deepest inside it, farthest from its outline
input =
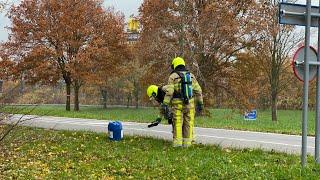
(152, 91)
(177, 62)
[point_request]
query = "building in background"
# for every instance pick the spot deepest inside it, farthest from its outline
(133, 30)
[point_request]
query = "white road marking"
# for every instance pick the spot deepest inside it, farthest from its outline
(104, 124)
(266, 142)
(147, 130)
(89, 121)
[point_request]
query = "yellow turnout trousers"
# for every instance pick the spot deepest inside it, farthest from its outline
(183, 122)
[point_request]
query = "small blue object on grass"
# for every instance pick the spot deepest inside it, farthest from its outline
(115, 131)
(252, 115)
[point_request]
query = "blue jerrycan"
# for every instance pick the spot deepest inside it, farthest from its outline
(115, 131)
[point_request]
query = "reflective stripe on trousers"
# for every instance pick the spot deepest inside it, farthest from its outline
(183, 122)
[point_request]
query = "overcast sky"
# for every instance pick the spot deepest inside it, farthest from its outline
(128, 7)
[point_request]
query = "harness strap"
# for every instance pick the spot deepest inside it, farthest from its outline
(185, 83)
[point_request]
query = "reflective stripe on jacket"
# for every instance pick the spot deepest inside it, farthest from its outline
(174, 87)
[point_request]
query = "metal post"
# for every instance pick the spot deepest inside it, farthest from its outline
(306, 86)
(317, 128)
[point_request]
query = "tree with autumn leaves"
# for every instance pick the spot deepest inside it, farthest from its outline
(76, 40)
(272, 52)
(209, 34)
(232, 46)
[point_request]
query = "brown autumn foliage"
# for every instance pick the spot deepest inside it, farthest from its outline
(210, 35)
(246, 81)
(7, 67)
(76, 40)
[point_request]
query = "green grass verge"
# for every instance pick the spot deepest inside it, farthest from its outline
(289, 121)
(37, 154)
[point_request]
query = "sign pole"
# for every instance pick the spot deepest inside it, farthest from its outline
(317, 128)
(308, 16)
(306, 86)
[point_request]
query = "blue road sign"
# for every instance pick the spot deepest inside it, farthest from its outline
(252, 115)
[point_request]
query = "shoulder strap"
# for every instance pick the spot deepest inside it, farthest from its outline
(181, 74)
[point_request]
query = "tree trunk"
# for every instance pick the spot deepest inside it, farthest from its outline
(137, 100)
(136, 93)
(182, 26)
(274, 106)
(274, 81)
(1, 84)
(22, 85)
(67, 80)
(76, 97)
(128, 100)
(104, 98)
(68, 86)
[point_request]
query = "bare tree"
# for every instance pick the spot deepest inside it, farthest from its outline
(273, 50)
(12, 116)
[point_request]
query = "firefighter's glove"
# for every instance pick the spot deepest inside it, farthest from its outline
(199, 109)
(165, 110)
(155, 123)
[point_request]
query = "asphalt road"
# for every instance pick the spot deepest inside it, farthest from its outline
(222, 137)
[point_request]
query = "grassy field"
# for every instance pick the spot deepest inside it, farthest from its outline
(37, 154)
(289, 121)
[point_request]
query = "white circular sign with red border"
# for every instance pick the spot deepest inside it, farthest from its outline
(298, 63)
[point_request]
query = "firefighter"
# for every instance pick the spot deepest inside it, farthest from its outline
(158, 93)
(183, 93)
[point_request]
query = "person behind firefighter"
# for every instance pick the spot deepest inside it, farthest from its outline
(157, 93)
(183, 93)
